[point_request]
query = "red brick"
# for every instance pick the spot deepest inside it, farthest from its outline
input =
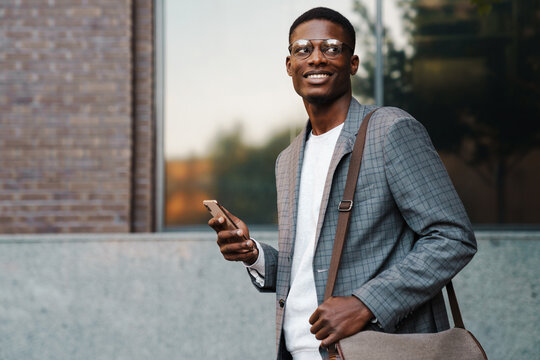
(67, 196)
(114, 229)
(56, 208)
(100, 218)
(33, 197)
(66, 139)
(66, 218)
(84, 12)
(88, 208)
(79, 229)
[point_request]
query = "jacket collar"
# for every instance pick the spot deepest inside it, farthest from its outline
(344, 146)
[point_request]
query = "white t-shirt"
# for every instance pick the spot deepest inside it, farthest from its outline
(302, 298)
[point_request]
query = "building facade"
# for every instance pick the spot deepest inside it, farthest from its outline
(81, 117)
(77, 128)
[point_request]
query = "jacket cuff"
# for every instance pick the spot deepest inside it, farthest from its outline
(375, 301)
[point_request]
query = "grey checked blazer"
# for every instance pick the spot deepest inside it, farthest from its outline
(409, 233)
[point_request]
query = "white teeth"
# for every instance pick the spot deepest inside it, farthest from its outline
(318, 76)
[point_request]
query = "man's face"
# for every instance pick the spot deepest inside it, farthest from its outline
(318, 79)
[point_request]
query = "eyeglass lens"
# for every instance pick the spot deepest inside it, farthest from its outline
(302, 49)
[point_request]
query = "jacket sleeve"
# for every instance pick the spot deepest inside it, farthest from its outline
(430, 206)
(270, 270)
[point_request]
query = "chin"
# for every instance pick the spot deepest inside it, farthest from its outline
(318, 100)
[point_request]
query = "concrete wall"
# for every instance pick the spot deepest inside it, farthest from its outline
(76, 116)
(172, 296)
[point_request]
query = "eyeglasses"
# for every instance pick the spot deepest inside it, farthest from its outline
(303, 48)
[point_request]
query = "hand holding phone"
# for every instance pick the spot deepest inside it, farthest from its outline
(218, 211)
(233, 235)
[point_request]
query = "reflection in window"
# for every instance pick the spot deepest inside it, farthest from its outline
(470, 74)
(230, 106)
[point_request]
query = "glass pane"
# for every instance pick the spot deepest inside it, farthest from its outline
(230, 106)
(469, 74)
(472, 77)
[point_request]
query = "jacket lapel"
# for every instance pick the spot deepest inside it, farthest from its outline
(344, 146)
(295, 170)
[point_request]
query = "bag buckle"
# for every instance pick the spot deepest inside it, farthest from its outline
(345, 205)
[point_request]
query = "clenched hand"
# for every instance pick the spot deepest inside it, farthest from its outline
(339, 317)
(234, 246)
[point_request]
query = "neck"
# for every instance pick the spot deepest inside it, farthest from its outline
(325, 117)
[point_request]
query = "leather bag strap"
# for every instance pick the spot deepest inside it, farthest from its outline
(454, 307)
(345, 209)
(346, 205)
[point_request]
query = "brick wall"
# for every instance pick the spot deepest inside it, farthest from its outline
(75, 150)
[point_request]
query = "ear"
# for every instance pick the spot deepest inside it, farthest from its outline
(355, 62)
(288, 65)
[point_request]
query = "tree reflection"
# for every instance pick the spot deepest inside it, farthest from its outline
(472, 78)
(470, 74)
(238, 175)
(244, 176)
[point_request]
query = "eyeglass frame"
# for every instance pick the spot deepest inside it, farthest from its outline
(343, 44)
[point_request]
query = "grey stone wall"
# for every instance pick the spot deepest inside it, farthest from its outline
(172, 296)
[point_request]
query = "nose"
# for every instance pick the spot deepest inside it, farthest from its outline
(317, 57)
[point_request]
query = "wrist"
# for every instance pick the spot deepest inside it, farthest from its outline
(253, 258)
(253, 254)
(365, 313)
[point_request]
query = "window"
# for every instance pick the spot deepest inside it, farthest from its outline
(469, 74)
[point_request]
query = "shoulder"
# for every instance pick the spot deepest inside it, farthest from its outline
(389, 116)
(285, 156)
(388, 120)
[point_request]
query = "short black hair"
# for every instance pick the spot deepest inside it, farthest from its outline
(325, 13)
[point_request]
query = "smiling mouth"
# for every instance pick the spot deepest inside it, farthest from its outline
(318, 76)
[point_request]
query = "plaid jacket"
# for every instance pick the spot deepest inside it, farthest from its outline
(409, 233)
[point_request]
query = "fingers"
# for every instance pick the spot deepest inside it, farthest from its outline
(319, 329)
(220, 224)
(235, 248)
(242, 247)
(330, 339)
(234, 244)
(315, 316)
(217, 224)
(324, 331)
(338, 317)
(230, 236)
(239, 224)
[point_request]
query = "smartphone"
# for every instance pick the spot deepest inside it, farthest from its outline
(218, 210)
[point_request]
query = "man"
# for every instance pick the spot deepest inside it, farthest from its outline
(409, 233)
